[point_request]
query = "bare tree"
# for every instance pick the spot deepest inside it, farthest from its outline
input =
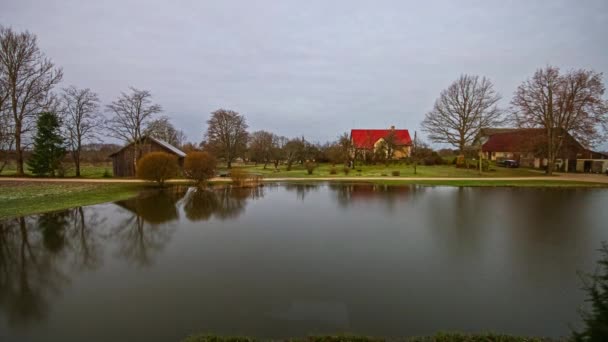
(131, 115)
(7, 136)
(227, 134)
(263, 146)
(30, 77)
(81, 118)
(467, 106)
(163, 129)
(571, 103)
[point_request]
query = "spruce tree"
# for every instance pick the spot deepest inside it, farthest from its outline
(596, 319)
(49, 146)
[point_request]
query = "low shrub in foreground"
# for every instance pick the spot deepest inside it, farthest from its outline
(440, 337)
(157, 167)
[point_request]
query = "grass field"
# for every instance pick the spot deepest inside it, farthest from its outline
(22, 198)
(86, 170)
(323, 170)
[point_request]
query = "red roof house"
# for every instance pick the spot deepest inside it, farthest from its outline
(368, 139)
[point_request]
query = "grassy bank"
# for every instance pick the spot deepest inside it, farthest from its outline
(441, 337)
(87, 170)
(22, 198)
(498, 183)
(381, 170)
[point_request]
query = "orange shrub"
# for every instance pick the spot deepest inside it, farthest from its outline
(157, 166)
(239, 176)
(199, 166)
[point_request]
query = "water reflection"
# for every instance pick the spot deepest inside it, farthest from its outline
(224, 203)
(29, 269)
(307, 258)
(366, 193)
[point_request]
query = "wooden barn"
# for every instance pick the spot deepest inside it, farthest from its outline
(123, 159)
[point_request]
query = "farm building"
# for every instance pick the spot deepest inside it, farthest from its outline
(123, 160)
(528, 147)
(369, 140)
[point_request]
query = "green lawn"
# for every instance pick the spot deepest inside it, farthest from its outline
(22, 198)
(323, 170)
(87, 170)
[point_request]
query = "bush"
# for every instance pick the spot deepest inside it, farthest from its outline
(596, 286)
(199, 166)
(460, 161)
(396, 173)
(157, 167)
(106, 174)
(346, 170)
(333, 171)
(239, 176)
(310, 167)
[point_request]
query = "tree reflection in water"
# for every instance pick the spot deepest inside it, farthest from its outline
(390, 195)
(32, 255)
(301, 189)
(137, 243)
(224, 203)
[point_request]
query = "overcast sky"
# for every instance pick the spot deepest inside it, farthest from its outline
(312, 68)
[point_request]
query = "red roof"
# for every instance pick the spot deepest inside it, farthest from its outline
(366, 138)
(521, 140)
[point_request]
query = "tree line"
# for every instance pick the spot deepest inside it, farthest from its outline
(556, 102)
(67, 119)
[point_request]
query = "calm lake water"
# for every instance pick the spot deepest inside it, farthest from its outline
(293, 260)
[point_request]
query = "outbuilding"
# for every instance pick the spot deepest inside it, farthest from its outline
(123, 160)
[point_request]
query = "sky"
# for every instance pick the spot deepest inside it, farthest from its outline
(308, 68)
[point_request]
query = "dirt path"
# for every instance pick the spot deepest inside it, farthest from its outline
(559, 177)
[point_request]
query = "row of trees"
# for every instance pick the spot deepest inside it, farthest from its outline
(27, 82)
(556, 102)
(227, 138)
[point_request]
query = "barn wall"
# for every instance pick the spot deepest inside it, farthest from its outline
(123, 161)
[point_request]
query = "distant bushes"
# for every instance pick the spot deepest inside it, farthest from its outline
(157, 167)
(333, 171)
(310, 167)
(346, 170)
(199, 166)
(396, 173)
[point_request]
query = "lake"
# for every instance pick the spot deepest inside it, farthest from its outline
(293, 260)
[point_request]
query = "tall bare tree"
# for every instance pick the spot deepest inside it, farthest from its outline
(465, 107)
(163, 129)
(263, 146)
(132, 113)
(227, 134)
(570, 103)
(29, 77)
(81, 118)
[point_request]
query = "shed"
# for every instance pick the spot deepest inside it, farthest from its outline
(123, 160)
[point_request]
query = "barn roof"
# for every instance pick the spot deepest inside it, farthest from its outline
(162, 143)
(366, 138)
(515, 140)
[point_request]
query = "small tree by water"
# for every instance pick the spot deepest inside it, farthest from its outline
(157, 167)
(596, 319)
(49, 146)
(199, 166)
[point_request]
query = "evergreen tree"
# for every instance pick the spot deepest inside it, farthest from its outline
(49, 146)
(596, 285)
